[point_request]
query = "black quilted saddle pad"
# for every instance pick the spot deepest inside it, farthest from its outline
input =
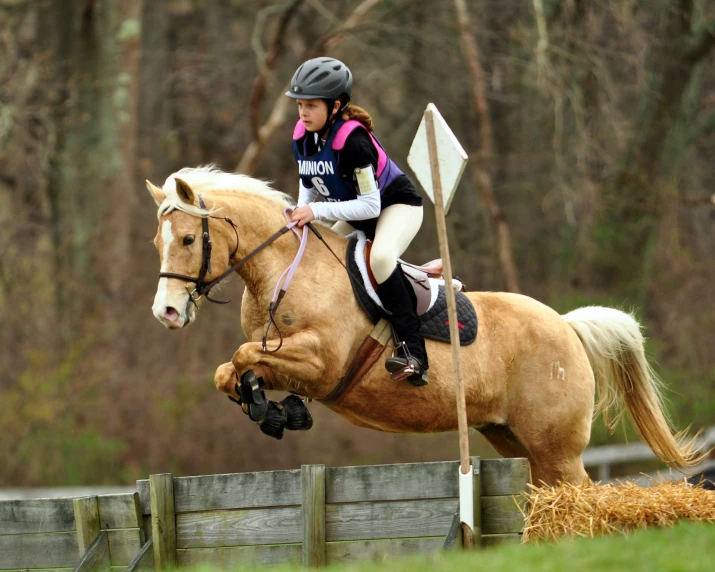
(434, 323)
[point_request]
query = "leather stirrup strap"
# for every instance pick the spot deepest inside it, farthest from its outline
(368, 353)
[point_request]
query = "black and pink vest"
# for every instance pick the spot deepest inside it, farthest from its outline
(321, 170)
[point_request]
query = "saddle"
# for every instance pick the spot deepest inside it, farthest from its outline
(429, 288)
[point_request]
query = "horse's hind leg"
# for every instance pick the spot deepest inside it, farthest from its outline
(504, 441)
(549, 469)
(554, 451)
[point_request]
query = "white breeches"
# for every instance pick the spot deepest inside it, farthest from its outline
(396, 227)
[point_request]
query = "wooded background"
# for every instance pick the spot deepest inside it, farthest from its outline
(590, 127)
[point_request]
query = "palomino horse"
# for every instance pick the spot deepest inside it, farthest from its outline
(530, 378)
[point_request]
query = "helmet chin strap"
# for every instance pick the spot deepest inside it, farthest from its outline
(330, 121)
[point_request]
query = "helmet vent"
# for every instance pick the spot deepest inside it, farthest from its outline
(319, 78)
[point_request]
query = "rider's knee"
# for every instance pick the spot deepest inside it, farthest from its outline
(382, 263)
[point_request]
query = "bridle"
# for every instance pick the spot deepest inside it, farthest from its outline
(203, 287)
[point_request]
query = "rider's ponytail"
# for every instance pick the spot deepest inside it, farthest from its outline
(358, 113)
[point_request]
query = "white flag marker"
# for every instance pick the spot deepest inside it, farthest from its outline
(452, 158)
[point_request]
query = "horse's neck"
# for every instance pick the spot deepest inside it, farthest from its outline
(254, 226)
(262, 276)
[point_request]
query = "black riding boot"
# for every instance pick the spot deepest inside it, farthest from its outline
(398, 298)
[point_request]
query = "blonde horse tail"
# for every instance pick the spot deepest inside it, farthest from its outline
(614, 345)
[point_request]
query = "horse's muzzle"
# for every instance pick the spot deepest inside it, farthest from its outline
(173, 318)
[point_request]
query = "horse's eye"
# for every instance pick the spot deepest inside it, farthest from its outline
(188, 239)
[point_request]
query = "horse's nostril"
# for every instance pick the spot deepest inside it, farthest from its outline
(171, 313)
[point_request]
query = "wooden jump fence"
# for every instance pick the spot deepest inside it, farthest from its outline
(313, 516)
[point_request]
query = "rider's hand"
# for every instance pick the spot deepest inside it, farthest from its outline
(303, 215)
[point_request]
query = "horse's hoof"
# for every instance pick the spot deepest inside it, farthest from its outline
(299, 418)
(274, 421)
(252, 396)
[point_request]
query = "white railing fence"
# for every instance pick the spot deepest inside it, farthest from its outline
(604, 458)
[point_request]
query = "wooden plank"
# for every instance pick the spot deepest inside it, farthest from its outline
(378, 550)
(214, 529)
(96, 557)
(144, 560)
(163, 520)
(501, 477)
(86, 516)
(498, 539)
(144, 491)
(119, 511)
(36, 515)
(391, 482)
(407, 519)
(232, 491)
(44, 550)
(313, 478)
(421, 480)
(501, 515)
(376, 520)
(243, 556)
(124, 545)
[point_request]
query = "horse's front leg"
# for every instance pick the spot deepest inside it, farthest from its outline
(226, 378)
(298, 362)
(299, 359)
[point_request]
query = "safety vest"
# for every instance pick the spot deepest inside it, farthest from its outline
(320, 170)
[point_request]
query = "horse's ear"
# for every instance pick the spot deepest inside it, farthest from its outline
(158, 194)
(184, 191)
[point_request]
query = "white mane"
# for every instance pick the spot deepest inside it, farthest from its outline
(208, 178)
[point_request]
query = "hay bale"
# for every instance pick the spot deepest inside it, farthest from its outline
(593, 509)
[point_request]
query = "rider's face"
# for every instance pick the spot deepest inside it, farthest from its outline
(313, 113)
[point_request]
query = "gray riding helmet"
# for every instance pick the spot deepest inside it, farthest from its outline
(322, 78)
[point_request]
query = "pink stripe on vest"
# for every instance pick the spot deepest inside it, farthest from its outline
(299, 130)
(346, 129)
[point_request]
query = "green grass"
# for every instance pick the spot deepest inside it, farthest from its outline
(685, 547)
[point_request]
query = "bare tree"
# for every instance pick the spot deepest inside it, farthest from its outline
(636, 202)
(485, 152)
(267, 64)
(126, 107)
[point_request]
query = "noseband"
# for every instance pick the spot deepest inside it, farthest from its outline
(203, 288)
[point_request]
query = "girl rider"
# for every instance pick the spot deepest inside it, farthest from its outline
(340, 161)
